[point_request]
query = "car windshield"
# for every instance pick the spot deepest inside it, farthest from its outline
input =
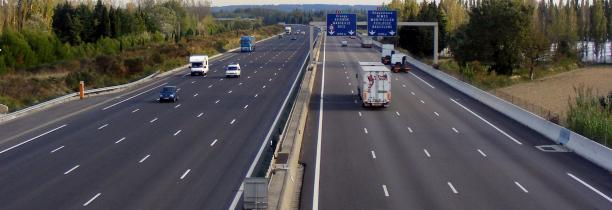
(197, 65)
(232, 68)
(168, 89)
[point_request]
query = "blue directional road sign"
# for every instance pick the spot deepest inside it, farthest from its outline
(382, 23)
(341, 24)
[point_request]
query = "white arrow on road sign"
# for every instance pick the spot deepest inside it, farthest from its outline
(372, 32)
(392, 33)
(331, 32)
(351, 32)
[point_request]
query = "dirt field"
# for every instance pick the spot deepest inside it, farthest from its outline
(553, 92)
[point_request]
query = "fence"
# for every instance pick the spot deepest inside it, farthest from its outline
(533, 108)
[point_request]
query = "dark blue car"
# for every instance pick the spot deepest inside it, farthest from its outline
(168, 93)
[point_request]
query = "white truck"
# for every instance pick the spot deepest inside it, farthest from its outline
(374, 87)
(399, 63)
(386, 52)
(198, 65)
(366, 42)
(288, 30)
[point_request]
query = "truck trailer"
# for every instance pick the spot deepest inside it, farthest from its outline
(247, 44)
(374, 87)
(288, 30)
(386, 52)
(366, 42)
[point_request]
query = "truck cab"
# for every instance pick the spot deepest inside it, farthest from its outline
(198, 65)
(374, 87)
(399, 63)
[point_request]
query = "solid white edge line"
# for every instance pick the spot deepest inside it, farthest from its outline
(144, 158)
(134, 96)
(71, 169)
(185, 173)
(263, 144)
(92, 199)
(422, 80)
(385, 190)
(479, 117)
(521, 186)
(34, 138)
(452, 187)
(315, 194)
(590, 187)
(56, 149)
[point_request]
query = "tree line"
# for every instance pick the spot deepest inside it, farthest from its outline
(508, 34)
(41, 32)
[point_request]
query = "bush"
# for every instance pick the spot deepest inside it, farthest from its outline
(73, 79)
(587, 117)
(134, 65)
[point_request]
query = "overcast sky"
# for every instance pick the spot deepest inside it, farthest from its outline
(259, 2)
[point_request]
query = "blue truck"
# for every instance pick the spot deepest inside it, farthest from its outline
(247, 44)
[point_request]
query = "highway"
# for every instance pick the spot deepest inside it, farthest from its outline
(433, 148)
(127, 151)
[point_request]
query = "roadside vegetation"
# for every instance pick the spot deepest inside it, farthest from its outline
(46, 52)
(497, 43)
(591, 115)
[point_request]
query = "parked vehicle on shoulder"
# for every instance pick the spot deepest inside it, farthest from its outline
(198, 65)
(168, 93)
(233, 70)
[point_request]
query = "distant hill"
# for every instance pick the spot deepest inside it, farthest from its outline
(304, 7)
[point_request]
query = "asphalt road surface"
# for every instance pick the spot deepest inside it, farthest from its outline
(433, 148)
(127, 151)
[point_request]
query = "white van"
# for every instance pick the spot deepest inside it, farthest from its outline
(233, 70)
(198, 65)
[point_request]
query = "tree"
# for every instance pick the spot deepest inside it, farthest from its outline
(456, 14)
(495, 35)
(535, 47)
(598, 26)
(418, 40)
(101, 21)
